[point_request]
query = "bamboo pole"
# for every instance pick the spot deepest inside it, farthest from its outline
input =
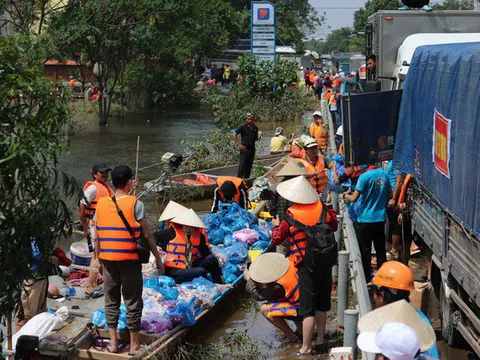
(136, 163)
(9, 334)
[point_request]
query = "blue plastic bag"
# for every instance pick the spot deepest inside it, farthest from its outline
(237, 253)
(215, 235)
(183, 313)
(159, 282)
(261, 245)
(229, 240)
(98, 318)
(264, 234)
(230, 273)
(169, 293)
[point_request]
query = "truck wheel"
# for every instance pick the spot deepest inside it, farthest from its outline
(450, 318)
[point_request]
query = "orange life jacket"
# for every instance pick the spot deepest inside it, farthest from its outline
(337, 83)
(403, 191)
(340, 149)
(318, 181)
(236, 181)
(327, 94)
(308, 215)
(289, 307)
(102, 191)
(177, 248)
(313, 79)
(297, 152)
(318, 133)
(115, 242)
(332, 100)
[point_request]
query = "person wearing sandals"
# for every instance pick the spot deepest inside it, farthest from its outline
(117, 252)
(314, 289)
(273, 278)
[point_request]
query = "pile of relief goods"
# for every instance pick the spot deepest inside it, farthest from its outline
(231, 233)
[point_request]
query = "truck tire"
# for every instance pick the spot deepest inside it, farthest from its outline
(449, 318)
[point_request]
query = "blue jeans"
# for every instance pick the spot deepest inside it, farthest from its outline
(201, 267)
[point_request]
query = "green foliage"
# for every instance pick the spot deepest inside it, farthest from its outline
(344, 40)
(218, 149)
(455, 5)
(34, 115)
(235, 345)
(259, 169)
(371, 7)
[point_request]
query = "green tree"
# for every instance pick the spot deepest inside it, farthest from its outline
(371, 7)
(105, 33)
(455, 5)
(32, 137)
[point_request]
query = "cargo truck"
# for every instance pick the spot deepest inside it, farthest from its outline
(438, 142)
(387, 30)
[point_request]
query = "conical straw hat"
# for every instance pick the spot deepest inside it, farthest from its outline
(298, 190)
(189, 218)
(172, 210)
(268, 267)
(402, 312)
(292, 168)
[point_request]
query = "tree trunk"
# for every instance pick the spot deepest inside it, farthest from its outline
(122, 110)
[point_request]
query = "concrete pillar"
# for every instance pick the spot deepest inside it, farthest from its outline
(350, 333)
(342, 287)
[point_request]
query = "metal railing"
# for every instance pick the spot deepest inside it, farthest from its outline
(354, 269)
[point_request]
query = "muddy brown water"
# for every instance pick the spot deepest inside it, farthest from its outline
(163, 132)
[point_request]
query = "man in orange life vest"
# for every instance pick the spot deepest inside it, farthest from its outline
(273, 278)
(315, 289)
(188, 254)
(93, 191)
(230, 189)
(117, 251)
(316, 166)
(319, 130)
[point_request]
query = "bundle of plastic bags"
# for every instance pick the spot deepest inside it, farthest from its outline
(237, 253)
(180, 312)
(99, 320)
(222, 258)
(231, 272)
(247, 236)
(261, 183)
(155, 324)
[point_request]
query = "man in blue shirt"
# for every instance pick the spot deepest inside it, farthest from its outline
(373, 191)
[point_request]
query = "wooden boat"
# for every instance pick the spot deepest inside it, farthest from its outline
(79, 331)
(189, 179)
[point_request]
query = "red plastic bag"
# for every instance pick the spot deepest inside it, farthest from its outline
(204, 179)
(191, 182)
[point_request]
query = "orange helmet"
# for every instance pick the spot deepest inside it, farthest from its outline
(395, 275)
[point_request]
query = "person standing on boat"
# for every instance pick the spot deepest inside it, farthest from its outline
(273, 278)
(249, 134)
(117, 251)
(230, 189)
(188, 254)
(278, 141)
(319, 130)
(315, 289)
(93, 191)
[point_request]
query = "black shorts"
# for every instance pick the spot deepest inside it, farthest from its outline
(394, 227)
(315, 291)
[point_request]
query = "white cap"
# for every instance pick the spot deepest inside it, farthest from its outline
(319, 113)
(278, 130)
(310, 142)
(395, 341)
(340, 130)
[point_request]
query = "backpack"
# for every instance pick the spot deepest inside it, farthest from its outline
(322, 248)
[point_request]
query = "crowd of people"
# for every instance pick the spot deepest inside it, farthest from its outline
(295, 282)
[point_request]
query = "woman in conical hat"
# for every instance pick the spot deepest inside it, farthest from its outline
(188, 254)
(273, 278)
(315, 289)
(167, 232)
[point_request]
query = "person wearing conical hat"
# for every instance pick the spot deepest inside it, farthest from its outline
(273, 278)
(393, 282)
(315, 289)
(292, 169)
(188, 254)
(399, 312)
(162, 237)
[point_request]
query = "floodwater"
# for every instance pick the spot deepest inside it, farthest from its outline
(163, 132)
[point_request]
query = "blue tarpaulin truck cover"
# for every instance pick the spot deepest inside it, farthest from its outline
(438, 134)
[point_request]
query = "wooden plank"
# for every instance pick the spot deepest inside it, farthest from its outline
(101, 355)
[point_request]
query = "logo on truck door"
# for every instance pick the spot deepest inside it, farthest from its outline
(441, 143)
